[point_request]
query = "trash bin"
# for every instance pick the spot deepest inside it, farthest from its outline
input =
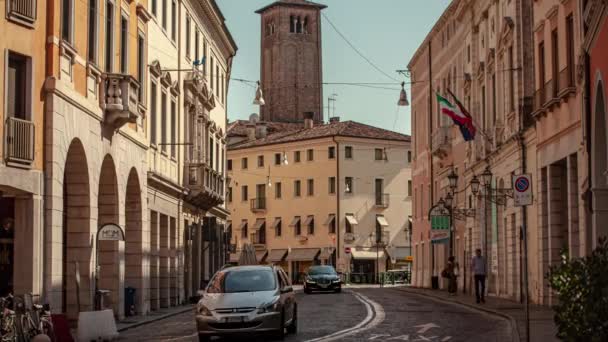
(435, 282)
(130, 301)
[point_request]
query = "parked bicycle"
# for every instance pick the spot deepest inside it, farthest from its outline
(22, 319)
(8, 326)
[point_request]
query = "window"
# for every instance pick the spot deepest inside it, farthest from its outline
(379, 191)
(211, 79)
(348, 152)
(297, 227)
(310, 187)
(331, 152)
(173, 20)
(66, 20)
(296, 157)
(217, 156)
(468, 53)
(153, 113)
(244, 229)
(349, 227)
(278, 190)
(16, 88)
(244, 194)
(332, 185)
(229, 164)
(277, 159)
(163, 121)
(297, 188)
(310, 154)
(188, 48)
(409, 188)
(164, 14)
(311, 225)
(196, 42)
(494, 98)
(378, 154)
(511, 80)
(409, 156)
(93, 15)
(229, 194)
(173, 128)
(244, 163)
(332, 225)
(109, 36)
(204, 55)
(555, 61)
(348, 181)
(124, 44)
(278, 227)
(154, 6)
(260, 161)
(541, 64)
(292, 24)
(570, 49)
(483, 106)
(217, 80)
(141, 65)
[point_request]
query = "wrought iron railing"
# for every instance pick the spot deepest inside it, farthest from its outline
(22, 9)
(258, 204)
(382, 200)
(19, 140)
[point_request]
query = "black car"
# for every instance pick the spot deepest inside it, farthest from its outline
(322, 278)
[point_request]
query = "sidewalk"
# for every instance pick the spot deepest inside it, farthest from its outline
(135, 321)
(542, 327)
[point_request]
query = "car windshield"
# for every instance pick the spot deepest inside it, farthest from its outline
(317, 270)
(233, 281)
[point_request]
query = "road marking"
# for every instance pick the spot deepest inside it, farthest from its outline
(425, 327)
(375, 316)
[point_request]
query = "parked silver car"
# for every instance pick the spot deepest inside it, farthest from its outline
(247, 299)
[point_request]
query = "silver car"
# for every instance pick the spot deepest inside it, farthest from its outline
(247, 299)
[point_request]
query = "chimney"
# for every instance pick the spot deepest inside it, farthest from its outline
(308, 120)
(334, 119)
(250, 131)
(261, 130)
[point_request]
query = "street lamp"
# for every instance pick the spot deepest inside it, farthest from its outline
(475, 185)
(403, 97)
(259, 98)
(486, 176)
(449, 199)
(453, 180)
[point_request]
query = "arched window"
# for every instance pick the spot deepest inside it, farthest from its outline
(292, 24)
(306, 25)
(299, 25)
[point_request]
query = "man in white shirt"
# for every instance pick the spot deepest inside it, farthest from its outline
(478, 265)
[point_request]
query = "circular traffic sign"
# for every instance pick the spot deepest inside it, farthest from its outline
(522, 184)
(347, 250)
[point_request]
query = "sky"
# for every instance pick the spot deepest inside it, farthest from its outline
(387, 32)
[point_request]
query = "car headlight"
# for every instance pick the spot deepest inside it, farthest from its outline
(272, 307)
(203, 310)
(310, 280)
(336, 280)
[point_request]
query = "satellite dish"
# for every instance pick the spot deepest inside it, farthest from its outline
(254, 118)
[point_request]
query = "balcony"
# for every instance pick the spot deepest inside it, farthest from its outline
(258, 204)
(550, 94)
(19, 140)
(120, 99)
(258, 240)
(539, 101)
(205, 186)
(442, 142)
(566, 83)
(382, 200)
(23, 11)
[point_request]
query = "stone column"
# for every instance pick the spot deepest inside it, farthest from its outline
(173, 262)
(154, 261)
(196, 258)
(574, 245)
(164, 268)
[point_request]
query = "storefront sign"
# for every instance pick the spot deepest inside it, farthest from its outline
(439, 216)
(110, 232)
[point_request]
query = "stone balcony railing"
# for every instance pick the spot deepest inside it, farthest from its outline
(119, 99)
(19, 142)
(21, 10)
(205, 186)
(566, 82)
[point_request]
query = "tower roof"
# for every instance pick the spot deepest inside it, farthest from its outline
(301, 3)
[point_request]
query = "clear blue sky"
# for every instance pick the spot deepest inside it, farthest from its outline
(388, 32)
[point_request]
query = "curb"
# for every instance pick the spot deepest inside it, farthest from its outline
(516, 337)
(155, 319)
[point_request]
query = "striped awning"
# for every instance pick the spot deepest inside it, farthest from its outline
(295, 221)
(303, 254)
(259, 223)
(276, 223)
(261, 255)
(309, 220)
(243, 225)
(330, 219)
(276, 255)
(382, 221)
(351, 219)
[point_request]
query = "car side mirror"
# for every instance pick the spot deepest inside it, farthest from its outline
(287, 289)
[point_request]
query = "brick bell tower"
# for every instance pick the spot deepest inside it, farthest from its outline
(291, 68)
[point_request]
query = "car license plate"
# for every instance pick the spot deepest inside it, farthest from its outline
(323, 285)
(234, 319)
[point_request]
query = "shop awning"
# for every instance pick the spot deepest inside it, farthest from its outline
(276, 223)
(243, 225)
(303, 254)
(276, 255)
(260, 255)
(295, 221)
(326, 253)
(309, 220)
(367, 253)
(382, 221)
(330, 219)
(228, 225)
(259, 223)
(351, 219)
(398, 254)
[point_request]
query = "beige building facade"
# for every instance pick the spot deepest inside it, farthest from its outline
(311, 194)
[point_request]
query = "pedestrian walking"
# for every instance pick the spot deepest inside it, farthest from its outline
(478, 265)
(452, 275)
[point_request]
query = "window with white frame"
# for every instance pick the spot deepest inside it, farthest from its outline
(188, 47)
(93, 41)
(67, 20)
(124, 44)
(109, 36)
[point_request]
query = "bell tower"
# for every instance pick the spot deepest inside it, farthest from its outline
(291, 69)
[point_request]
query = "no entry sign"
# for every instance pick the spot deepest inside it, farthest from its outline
(522, 190)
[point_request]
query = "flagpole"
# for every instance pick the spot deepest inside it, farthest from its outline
(483, 133)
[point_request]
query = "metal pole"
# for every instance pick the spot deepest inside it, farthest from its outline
(377, 262)
(451, 232)
(485, 247)
(524, 236)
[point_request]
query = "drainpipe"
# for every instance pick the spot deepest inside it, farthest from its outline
(430, 142)
(337, 219)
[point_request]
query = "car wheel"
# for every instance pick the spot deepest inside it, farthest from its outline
(204, 338)
(279, 334)
(293, 327)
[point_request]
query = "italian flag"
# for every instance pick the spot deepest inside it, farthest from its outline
(459, 115)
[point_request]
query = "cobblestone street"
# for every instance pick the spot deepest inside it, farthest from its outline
(359, 315)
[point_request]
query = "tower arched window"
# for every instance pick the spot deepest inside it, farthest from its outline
(292, 24)
(306, 25)
(299, 25)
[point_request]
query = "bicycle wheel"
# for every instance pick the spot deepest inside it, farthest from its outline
(46, 327)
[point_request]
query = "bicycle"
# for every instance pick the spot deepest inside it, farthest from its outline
(35, 319)
(8, 328)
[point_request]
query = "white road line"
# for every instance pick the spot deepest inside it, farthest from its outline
(375, 315)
